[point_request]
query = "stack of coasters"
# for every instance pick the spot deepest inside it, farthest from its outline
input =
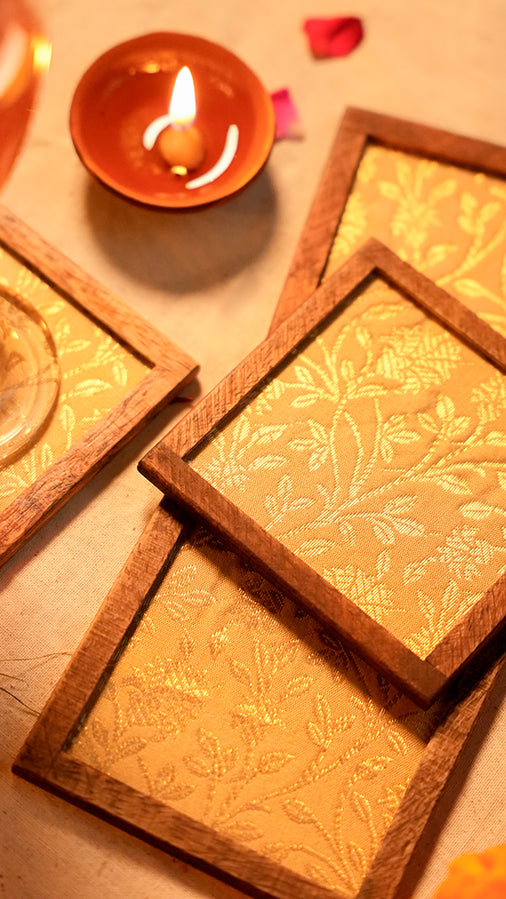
(208, 709)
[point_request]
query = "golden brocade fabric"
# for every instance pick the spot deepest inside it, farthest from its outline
(377, 456)
(97, 372)
(231, 705)
(449, 222)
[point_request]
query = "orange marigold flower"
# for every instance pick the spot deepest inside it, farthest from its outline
(476, 876)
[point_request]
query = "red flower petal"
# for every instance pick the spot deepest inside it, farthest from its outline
(333, 37)
(287, 116)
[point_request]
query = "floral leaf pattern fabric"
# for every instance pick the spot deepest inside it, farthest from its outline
(96, 373)
(229, 702)
(375, 456)
(449, 222)
(232, 706)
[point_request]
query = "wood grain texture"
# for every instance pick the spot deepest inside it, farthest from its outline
(436, 143)
(372, 258)
(407, 843)
(479, 335)
(43, 759)
(170, 369)
(422, 810)
(248, 374)
(416, 677)
(313, 247)
(184, 837)
(423, 680)
(465, 641)
(100, 646)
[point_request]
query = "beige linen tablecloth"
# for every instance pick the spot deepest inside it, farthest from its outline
(210, 281)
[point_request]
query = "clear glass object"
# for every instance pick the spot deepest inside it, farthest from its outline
(29, 370)
(29, 374)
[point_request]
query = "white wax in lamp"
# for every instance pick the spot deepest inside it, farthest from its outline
(179, 141)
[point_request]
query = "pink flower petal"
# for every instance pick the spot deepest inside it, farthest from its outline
(333, 37)
(287, 116)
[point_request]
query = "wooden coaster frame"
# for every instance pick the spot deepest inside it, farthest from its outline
(169, 368)
(44, 759)
(356, 129)
(421, 679)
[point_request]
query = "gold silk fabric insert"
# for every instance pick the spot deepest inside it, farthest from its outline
(377, 456)
(449, 222)
(230, 703)
(231, 706)
(97, 372)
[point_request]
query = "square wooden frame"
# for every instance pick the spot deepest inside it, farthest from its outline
(421, 679)
(44, 760)
(357, 127)
(170, 369)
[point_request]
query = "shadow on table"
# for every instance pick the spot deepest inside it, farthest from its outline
(185, 251)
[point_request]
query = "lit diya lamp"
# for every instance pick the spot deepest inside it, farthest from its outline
(172, 120)
(180, 142)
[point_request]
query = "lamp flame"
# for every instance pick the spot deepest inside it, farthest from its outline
(183, 107)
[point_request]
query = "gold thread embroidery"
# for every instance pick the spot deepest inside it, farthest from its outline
(96, 373)
(278, 735)
(447, 221)
(242, 714)
(373, 456)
